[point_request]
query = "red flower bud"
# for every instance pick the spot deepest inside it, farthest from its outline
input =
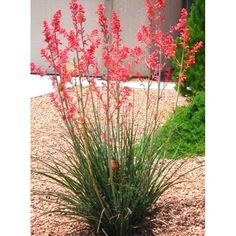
(114, 165)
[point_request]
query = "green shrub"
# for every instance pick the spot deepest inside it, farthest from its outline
(195, 80)
(184, 131)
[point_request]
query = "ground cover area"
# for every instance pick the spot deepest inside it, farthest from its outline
(179, 212)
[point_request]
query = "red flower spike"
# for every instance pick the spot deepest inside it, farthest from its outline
(77, 12)
(56, 21)
(150, 9)
(115, 25)
(37, 70)
(182, 77)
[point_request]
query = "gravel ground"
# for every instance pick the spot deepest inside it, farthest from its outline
(181, 209)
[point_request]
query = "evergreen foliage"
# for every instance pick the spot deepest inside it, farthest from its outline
(184, 131)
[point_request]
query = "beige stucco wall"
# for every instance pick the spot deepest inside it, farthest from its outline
(132, 14)
(43, 10)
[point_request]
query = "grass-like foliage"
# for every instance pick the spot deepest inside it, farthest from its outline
(108, 178)
(184, 131)
(111, 207)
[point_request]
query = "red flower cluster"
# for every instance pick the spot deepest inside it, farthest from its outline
(118, 59)
(72, 40)
(77, 12)
(102, 20)
(188, 52)
(56, 21)
(115, 55)
(160, 4)
(161, 44)
(52, 32)
(195, 49)
(144, 35)
(182, 21)
(182, 77)
(37, 70)
(150, 9)
(115, 26)
(182, 27)
(154, 8)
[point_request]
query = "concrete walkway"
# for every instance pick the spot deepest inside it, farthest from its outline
(42, 85)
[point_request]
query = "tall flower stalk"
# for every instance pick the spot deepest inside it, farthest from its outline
(110, 178)
(161, 47)
(187, 57)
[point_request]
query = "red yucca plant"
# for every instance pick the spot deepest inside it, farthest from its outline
(109, 178)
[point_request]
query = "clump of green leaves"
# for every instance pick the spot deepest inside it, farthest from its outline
(184, 131)
(108, 179)
(139, 180)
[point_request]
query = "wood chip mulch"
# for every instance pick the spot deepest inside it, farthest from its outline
(179, 212)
